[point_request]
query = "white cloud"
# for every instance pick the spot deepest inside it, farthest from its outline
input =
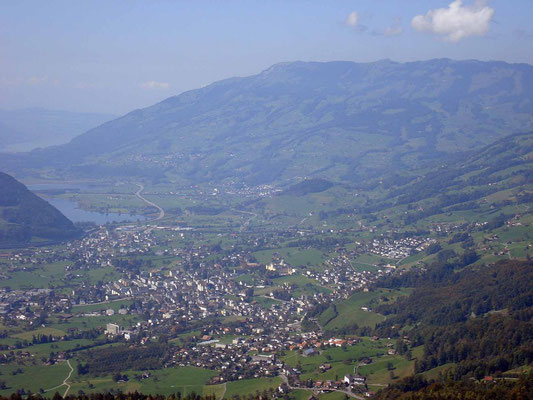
(457, 21)
(352, 19)
(395, 29)
(155, 85)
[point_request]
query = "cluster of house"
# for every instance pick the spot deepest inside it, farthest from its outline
(448, 227)
(180, 296)
(99, 248)
(397, 249)
(193, 289)
(348, 381)
(253, 356)
(343, 278)
(30, 305)
(233, 361)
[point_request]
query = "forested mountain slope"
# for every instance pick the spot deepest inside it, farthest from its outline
(478, 319)
(496, 175)
(24, 216)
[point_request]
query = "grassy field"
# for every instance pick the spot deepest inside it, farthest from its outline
(266, 302)
(520, 370)
(306, 286)
(336, 372)
(304, 394)
(184, 380)
(349, 312)
(103, 385)
(300, 394)
(41, 331)
(28, 276)
(292, 255)
(343, 360)
(180, 339)
(44, 349)
(367, 262)
(303, 286)
(33, 377)
(52, 275)
(411, 260)
(332, 396)
(166, 381)
(113, 305)
(191, 379)
(307, 364)
(251, 386)
(214, 390)
(378, 372)
(435, 372)
(85, 323)
(113, 203)
(104, 274)
(389, 368)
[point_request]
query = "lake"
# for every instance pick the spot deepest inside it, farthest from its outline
(70, 208)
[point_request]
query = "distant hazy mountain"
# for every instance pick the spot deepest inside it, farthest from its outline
(24, 216)
(27, 129)
(336, 120)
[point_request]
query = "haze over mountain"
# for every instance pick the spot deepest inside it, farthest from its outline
(27, 129)
(339, 120)
(25, 216)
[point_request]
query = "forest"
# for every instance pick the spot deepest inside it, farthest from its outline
(120, 358)
(478, 318)
(418, 388)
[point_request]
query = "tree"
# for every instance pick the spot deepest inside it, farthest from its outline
(57, 396)
(433, 248)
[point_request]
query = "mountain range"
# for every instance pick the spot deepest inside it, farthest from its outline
(344, 121)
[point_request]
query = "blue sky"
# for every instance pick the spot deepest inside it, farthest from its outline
(114, 56)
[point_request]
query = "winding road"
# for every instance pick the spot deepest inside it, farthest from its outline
(64, 381)
(140, 196)
(224, 392)
(247, 222)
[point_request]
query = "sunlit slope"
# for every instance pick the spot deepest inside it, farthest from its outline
(497, 176)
